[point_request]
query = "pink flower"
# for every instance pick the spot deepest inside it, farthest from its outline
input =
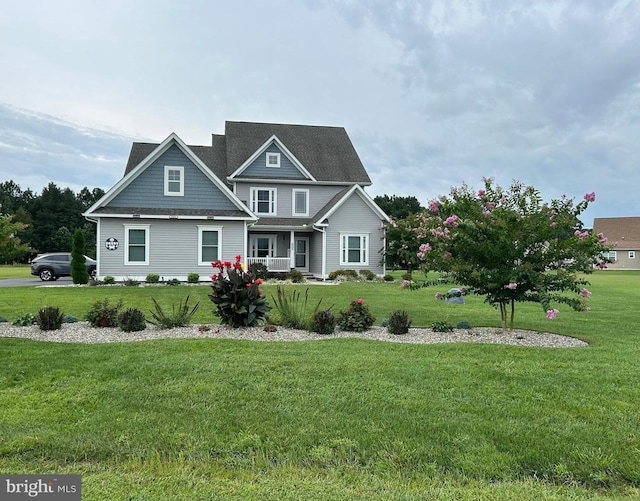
(551, 314)
(602, 238)
(451, 221)
(585, 293)
(447, 254)
(581, 235)
(590, 197)
(434, 205)
(554, 224)
(420, 255)
(511, 286)
(503, 201)
(486, 213)
(491, 205)
(602, 265)
(438, 295)
(481, 193)
(405, 283)
(360, 301)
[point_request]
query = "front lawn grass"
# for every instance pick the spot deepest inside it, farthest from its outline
(335, 419)
(15, 271)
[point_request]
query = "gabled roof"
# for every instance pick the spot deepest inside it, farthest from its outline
(621, 232)
(334, 204)
(144, 154)
(325, 152)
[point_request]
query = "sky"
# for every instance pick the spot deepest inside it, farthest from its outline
(432, 93)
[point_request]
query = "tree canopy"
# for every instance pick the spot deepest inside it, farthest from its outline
(510, 246)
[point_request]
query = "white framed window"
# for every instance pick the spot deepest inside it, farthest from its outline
(264, 201)
(209, 244)
(354, 248)
(611, 255)
(632, 254)
(136, 244)
(273, 159)
(263, 245)
(300, 202)
(173, 181)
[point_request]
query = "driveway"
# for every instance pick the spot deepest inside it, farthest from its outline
(35, 281)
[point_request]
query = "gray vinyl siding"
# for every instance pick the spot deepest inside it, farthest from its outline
(355, 217)
(147, 189)
(259, 169)
(315, 254)
(319, 195)
(173, 247)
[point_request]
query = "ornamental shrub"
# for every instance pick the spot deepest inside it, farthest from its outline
(49, 318)
(25, 320)
(293, 308)
(367, 275)
(345, 274)
(109, 280)
(357, 318)
(103, 314)
(152, 278)
(296, 276)
(441, 326)
(324, 322)
(237, 295)
(132, 320)
(179, 317)
(399, 322)
(193, 278)
(79, 274)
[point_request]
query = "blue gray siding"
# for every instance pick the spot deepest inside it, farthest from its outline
(147, 190)
(173, 247)
(259, 169)
(355, 217)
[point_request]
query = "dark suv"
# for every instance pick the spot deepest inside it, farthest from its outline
(54, 265)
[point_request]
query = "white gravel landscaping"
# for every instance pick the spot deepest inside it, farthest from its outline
(82, 332)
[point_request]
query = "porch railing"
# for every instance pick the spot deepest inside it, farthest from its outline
(273, 263)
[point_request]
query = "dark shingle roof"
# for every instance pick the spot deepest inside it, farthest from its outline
(326, 152)
(621, 232)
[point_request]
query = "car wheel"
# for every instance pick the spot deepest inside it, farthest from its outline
(93, 273)
(46, 275)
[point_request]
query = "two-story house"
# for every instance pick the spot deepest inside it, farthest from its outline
(623, 235)
(288, 196)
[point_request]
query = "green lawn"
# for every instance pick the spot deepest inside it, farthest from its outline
(15, 271)
(334, 419)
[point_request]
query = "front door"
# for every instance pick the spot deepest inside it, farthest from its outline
(301, 253)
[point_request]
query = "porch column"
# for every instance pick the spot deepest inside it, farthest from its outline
(292, 250)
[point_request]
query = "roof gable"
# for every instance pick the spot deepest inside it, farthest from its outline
(326, 153)
(146, 154)
(337, 201)
(256, 165)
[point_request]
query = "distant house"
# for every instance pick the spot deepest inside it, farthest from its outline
(286, 196)
(623, 235)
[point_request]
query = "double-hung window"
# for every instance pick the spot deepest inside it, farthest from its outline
(300, 202)
(173, 181)
(263, 201)
(136, 244)
(354, 249)
(209, 244)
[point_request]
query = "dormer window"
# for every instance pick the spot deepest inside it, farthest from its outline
(273, 159)
(173, 181)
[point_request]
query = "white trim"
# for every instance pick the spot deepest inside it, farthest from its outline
(365, 198)
(632, 254)
(294, 192)
(273, 200)
(168, 169)
(146, 228)
(275, 155)
(201, 229)
(152, 157)
(363, 249)
(272, 140)
(253, 244)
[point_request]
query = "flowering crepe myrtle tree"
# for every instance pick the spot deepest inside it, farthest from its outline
(510, 246)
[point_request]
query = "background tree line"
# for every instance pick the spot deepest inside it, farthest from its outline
(32, 223)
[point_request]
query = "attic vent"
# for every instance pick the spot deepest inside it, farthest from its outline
(136, 215)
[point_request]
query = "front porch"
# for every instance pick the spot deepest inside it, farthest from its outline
(280, 251)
